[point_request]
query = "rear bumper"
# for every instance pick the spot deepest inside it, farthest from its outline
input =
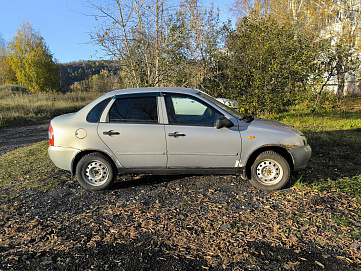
(301, 156)
(62, 157)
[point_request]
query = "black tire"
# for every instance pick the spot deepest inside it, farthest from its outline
(95, 172)
(270, 171)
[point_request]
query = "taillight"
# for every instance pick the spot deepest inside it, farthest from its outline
(51, 136)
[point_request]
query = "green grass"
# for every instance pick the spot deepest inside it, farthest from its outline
(322, 121)
(335, 138)
(27, 168)
(18, 106)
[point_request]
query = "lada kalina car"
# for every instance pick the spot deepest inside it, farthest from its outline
(173, 130)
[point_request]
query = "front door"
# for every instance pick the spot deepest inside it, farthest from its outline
(192, 139)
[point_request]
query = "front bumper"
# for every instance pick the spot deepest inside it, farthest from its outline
(301, 156)
(62, 157)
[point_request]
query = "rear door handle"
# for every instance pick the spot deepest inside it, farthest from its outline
(111, 132)
(176, 134)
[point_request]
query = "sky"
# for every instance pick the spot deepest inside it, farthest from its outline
(63, 25)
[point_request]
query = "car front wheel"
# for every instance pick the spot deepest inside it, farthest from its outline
(95, 172)
(270, 171)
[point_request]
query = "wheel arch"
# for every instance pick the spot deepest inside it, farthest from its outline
(81, 154)
(277, 149)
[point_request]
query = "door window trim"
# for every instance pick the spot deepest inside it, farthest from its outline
(164, 94)
(105, 115)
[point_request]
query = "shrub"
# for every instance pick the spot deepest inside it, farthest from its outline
(267, 65)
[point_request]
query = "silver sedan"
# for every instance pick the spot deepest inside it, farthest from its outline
(173, 130)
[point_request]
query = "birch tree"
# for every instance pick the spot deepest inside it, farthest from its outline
(2, 60)
(31, 61)
(7, 75)
(155, 42)
(344, 32)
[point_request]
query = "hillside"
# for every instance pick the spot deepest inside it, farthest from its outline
(81, 70)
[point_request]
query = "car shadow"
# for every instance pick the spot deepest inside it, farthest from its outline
(132, 180)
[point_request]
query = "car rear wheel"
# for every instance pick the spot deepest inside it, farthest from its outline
(270, 171)
(95, 172)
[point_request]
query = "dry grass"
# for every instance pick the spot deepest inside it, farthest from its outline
(18, 107)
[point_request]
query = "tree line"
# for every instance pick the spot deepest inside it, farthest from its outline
(279, 53)
(26, 61)
(90, 75)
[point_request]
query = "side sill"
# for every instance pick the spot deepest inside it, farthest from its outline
(197, 171)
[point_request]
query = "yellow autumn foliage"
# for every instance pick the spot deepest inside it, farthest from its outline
(31, 61)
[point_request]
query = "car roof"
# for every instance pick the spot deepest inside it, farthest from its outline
(154, 89)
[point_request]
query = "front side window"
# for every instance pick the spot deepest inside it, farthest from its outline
(231, 111)
(134, 110)
(186, 110)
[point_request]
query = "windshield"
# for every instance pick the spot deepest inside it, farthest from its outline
(231, 111)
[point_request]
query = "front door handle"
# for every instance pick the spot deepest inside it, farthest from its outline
(111, 132)
(176, 134)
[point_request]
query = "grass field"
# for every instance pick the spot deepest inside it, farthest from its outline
(335, 138)
(18, 106)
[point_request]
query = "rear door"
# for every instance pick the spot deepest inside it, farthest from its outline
(192, 139)
(133, 131)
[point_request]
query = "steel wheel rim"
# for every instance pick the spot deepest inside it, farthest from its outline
(269, 172)
(95, 173)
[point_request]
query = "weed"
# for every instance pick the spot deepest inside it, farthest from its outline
(18, 106)
(346, 185)
(341, 219)
(356, 235)
(299, 183)
(335, 137)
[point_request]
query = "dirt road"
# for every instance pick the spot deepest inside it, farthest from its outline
(19, 137)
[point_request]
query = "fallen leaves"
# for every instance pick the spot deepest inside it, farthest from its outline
(319, 264)
(197, 226)
(291, 265)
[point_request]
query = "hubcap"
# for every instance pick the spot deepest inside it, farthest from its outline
(269, 172)
(95, 173)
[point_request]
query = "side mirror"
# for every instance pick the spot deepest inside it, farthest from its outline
(223, 122)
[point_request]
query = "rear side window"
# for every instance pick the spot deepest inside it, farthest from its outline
(96, 112)
(134, 110)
